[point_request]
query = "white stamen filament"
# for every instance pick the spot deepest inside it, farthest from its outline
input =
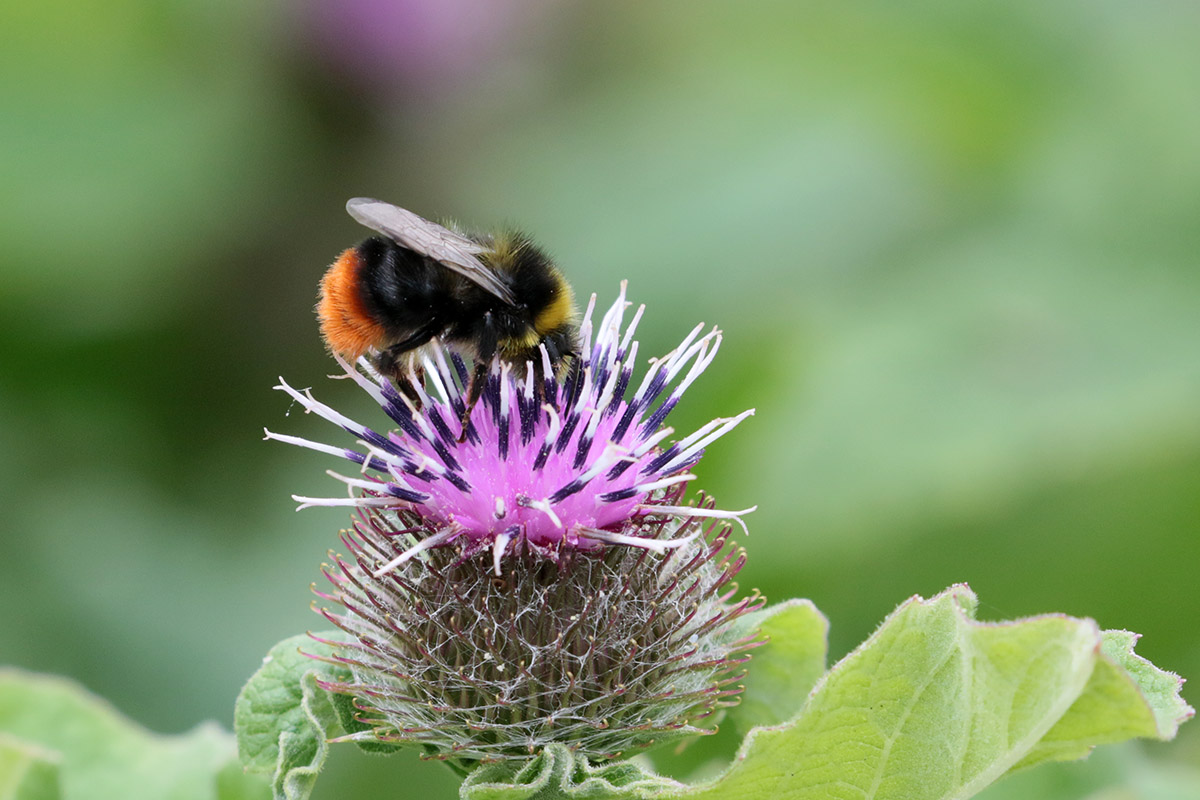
(610, 331)
(506, 389)
(419, 418)
(423, 463)
(659, 546)
(692, 511)
(631, 358)
(698, 350)
(585, 328)
(584, 398)
(647, 445)
(691, 445)
(367, 386)
(435, 378)
(451, 386)
(358, 502)
(555, 425)
(605, 398)
(670, 358)
(369, 369)
(296, 440)
(706, 357)
(321, 410)
(611, 454)
(610, 325)
(664, 483)
(547, 367)
(367, 485)
(441, 537)
(544, 507)
(418, 385)
(633, 323)
(498, 548)
(644, 386)
(703, 430)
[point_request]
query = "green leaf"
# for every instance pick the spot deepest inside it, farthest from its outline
(781, 673)
(1159, 688)
(933, 705)
(556, 774)
(1126, 697)
(27, 772)
(784, 670)
(59, 738)
(283, 719)
(937, 705)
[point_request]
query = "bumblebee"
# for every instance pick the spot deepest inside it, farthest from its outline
(496, 296)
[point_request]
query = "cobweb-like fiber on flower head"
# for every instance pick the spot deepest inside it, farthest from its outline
(545, 465)
(606, 653)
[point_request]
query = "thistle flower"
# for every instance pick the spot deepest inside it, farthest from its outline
(551, 467)
(602, 619)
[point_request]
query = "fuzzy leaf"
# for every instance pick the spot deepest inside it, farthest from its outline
(556, 774)
(62, 741)
(937, 705)
(785, 669)
(933, 705)
(1127, 697)
(283, 719)
(27, 772)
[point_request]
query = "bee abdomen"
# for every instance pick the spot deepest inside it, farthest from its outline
(347, 324)
(402, 291)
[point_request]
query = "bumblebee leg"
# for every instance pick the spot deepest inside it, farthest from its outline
(396, 362)
(474, 391)
(538, 376)
(571, 371)
(387, 364)
(409, 383)
(483, 364)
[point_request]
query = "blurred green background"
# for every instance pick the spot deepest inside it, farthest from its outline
(953, 248)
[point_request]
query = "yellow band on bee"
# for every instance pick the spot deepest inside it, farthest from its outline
(558, 311)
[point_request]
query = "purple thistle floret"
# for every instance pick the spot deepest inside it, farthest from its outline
(577, 464)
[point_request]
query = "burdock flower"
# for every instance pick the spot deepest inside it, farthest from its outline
(542, 580)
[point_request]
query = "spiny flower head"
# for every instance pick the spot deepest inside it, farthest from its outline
(605, 652)
(548, 465)
(605, 620)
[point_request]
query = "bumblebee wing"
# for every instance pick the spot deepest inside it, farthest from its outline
(443, 245)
